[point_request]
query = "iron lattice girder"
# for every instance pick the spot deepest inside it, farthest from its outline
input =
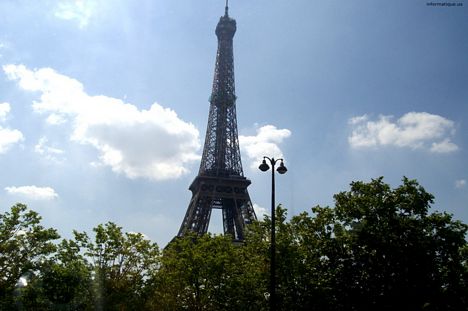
(229, 194)
(221, 155)
(220, 182)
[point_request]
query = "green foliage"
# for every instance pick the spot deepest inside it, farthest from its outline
(24, 247)
(204, 273)
(394, 254)
(122, 264)
(66, 280)
(378, 249)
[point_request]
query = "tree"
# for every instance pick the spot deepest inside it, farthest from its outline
(394, 254)
(66, 281)
(207, 273)
(110, 271)
(24, 248)
(377, 249)
(122, 265)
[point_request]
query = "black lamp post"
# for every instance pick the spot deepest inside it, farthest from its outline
(281, 169)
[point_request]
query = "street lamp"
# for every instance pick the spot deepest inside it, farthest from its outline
(281, 169)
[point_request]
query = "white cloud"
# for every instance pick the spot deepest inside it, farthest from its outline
(3, 46)
(4, 111)
(413, 130)
(75, 10)
(154, 143)
(8, 137)
(358, 119)
(444, 146)
(265, 143)
(260, 211)
(55, 119)
(50, 153)
(33, 192)
(461, 183)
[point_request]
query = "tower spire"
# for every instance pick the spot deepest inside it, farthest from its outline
(226, 9)
(220, 183)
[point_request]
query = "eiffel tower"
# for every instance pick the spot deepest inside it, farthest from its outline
(220, 182)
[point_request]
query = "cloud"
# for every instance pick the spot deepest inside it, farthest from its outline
(3, 47)
(260, 211)
(461, 183)
(8, 137)
(80, 11)
(154, 144)
(4, 111)
(265, 143)
(33, 192)
(50, 153)
(415, 130)
(55, 119)
(444, 146)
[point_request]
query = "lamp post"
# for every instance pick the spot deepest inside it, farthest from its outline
(281, 169)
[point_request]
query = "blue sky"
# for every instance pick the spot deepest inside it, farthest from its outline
(104, 104)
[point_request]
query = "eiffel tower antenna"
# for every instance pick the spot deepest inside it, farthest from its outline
(220, 183)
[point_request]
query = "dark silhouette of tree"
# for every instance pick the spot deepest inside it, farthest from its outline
(206, 273)
(378, 248)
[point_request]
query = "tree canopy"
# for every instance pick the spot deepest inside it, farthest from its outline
(24, 247)
(378, 248)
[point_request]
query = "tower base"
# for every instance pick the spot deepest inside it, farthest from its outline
(226, 193)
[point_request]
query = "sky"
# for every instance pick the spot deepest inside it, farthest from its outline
(104, 104)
